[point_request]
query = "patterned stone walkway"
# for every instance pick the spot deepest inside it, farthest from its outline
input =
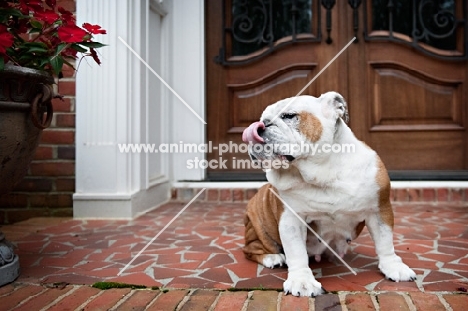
(76, 297)
(202, 250)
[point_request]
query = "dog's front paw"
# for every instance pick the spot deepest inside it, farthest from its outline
(395, 270)
(302, 283)
(273, 260)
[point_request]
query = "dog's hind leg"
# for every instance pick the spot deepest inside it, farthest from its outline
(262, 240)
(260, 247)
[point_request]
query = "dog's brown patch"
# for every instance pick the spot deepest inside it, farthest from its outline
(310, 126)
(385, 207)
(261, 222)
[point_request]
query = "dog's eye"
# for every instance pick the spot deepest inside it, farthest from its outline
(288, 116)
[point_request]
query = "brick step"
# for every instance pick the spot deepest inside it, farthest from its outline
(74, 297)
(400, 193)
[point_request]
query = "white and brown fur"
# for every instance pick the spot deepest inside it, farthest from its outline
(336, 193)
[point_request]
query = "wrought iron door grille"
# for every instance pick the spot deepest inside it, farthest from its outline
(435, 27)
(252, 29)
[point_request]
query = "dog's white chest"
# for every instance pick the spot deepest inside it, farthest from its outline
(335, 203)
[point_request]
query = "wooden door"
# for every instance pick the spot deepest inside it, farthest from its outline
(407, 86)
(407, 97)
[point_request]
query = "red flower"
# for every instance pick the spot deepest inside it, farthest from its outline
(21, 26)
(72, 34)
(51, 3)
(53, 30)
(6, 39)
(94, 29)
(67, 16)
(30, 5)
(95, 56)
(47, 16)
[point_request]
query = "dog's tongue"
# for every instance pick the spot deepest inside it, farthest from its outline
(250, 134)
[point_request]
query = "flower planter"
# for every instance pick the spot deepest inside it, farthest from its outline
(25, 93)
(25, 110)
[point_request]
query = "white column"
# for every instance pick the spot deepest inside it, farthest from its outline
(187, 76)
(118, 102)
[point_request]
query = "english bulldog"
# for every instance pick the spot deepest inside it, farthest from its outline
(335, 193)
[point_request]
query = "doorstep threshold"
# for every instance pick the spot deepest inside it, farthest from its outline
(407, 184)
(219, 184)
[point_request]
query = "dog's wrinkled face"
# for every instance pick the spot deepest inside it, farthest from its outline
(288, 124)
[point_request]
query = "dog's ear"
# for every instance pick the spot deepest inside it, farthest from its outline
(335, 103)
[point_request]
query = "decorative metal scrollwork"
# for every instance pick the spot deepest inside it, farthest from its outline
(328, 5)
(251, 23)
(437, 24)
(431, 26)
(355, 6)
(252, 29)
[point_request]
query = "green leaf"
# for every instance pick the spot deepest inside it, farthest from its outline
(94, 45)
(78, 48)
(35, 30)
(43, 61)
(34, 49)
(35, 45)
(37, 50)
(6, 13)
(25, 58)
(61, 47)
(36, 24)
(2, 63)
(56, 62)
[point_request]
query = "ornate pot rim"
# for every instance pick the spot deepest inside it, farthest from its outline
(29, 72)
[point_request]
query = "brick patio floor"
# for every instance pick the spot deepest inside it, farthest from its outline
(198, 262)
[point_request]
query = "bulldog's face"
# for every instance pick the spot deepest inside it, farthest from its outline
(289, 123)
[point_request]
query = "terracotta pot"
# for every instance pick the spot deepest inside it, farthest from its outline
(25, 110)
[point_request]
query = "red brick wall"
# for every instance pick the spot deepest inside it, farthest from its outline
(50, 183)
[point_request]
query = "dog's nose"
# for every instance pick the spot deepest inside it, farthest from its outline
(253, 132)
(267, 122)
